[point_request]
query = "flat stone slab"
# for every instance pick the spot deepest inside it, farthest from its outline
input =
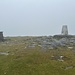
(3, 53)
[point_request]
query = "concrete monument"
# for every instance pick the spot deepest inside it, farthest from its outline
(64, 30)
(64, 33)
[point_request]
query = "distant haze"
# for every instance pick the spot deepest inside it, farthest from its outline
(36, 17)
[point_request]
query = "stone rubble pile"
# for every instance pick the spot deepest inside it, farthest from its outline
(44, 42)
(47, 42)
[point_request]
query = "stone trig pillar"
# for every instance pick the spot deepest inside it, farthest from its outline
(64, 30)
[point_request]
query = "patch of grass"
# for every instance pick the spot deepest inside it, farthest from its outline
(34, 61)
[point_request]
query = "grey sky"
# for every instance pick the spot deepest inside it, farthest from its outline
(36, 17)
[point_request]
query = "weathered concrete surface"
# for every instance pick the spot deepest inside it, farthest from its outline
(64, 30)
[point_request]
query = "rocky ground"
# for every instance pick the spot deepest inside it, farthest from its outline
(45, 42)
(43, 55)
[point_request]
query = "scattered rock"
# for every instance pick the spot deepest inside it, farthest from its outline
(3, 53)
(70, 47)
(45, 42)
(69, 67)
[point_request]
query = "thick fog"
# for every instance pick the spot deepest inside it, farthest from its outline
(36, 17)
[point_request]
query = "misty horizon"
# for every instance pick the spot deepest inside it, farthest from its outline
(36, 17)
